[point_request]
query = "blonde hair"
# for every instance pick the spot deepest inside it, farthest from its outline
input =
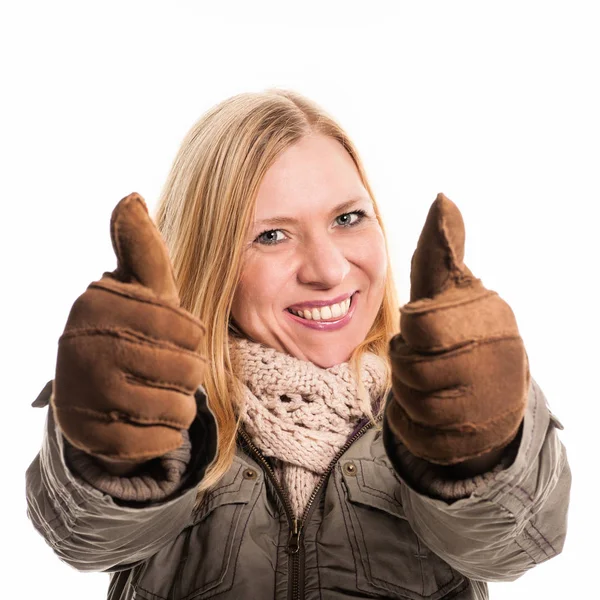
(204, 212)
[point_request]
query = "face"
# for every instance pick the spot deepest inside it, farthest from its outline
(314, 263)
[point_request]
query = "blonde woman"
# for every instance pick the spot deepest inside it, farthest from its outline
(235, 413)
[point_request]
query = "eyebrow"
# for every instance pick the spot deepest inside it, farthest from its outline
(344, 206)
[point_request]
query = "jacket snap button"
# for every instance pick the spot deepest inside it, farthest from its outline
(250, 474)
(350, 468)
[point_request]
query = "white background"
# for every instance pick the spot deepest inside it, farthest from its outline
(494, 104)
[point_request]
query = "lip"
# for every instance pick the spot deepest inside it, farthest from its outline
(327, 325)
(319, 303)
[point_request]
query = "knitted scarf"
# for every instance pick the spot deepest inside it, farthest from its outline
(301, 414)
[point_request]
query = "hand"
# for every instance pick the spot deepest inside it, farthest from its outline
(127, 366)
(460, 373)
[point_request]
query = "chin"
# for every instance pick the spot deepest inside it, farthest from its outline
(327, 357)
(326, 353)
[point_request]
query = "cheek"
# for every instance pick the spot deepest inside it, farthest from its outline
(258, 289)
(370, 255)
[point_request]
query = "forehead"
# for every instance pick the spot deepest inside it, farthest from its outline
(316, 173)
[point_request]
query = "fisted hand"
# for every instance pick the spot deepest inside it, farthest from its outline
(460, 372)
(127, 365)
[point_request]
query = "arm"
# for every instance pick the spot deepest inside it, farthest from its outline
(496, 525)
(93, 529)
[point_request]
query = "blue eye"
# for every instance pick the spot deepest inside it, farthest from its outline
(359, 214)
(268, 238)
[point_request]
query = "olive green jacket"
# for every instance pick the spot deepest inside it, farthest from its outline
(379, 525)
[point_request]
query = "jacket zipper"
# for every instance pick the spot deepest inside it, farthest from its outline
(295, 550)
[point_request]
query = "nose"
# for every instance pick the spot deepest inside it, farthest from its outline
(323, 263)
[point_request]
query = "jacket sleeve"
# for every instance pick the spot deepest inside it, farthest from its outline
(119, 521)
(496, 526)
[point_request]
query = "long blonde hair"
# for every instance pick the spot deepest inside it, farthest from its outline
(204, 211)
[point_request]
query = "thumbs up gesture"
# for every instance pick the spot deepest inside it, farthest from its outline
(460, 373)
(127, 364)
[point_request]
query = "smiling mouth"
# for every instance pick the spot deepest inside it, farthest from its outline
(333, 312)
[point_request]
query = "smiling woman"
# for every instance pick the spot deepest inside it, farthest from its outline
(272, 177)
(236, 414)
(287, 245)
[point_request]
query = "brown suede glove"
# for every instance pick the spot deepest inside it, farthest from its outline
(460, 373)
(127, 365)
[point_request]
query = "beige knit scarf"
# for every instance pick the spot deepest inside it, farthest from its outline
(301, 414)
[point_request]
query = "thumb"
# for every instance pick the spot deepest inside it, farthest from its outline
(437, 263)
(142, 255)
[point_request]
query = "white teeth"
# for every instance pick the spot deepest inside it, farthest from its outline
(325, 313)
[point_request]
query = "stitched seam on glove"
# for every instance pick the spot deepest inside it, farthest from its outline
(432, 305)
(134, 337)
(460, 348)
(177, 310)
(116, 415)
(141, 380)
(465, 427)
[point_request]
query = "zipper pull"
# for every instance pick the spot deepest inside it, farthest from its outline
(294, 542)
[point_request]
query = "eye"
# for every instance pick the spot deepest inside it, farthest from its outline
(346, 220)
(270, 237)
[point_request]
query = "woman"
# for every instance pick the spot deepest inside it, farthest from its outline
(238, 416)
